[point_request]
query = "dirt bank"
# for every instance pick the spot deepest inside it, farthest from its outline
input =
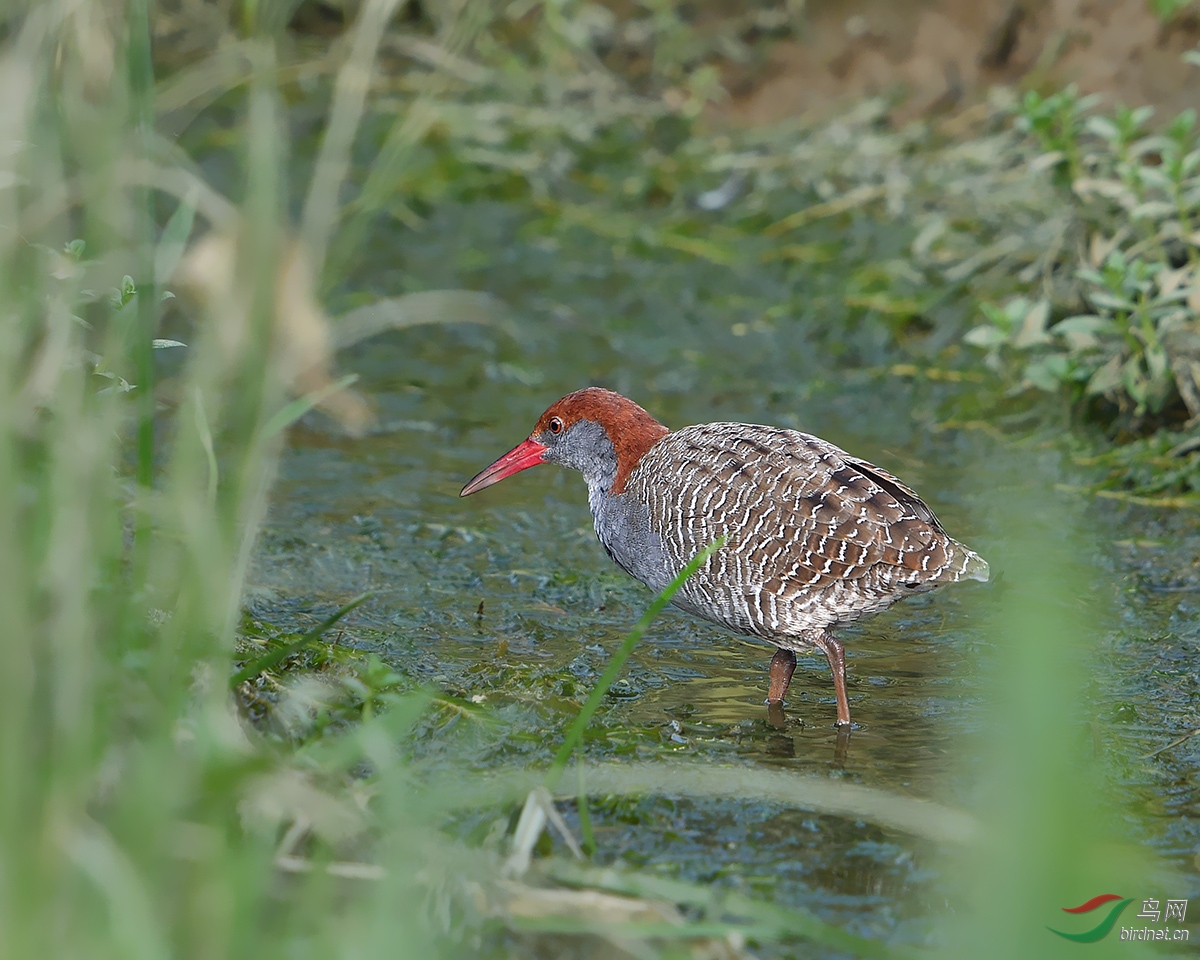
(935, 56)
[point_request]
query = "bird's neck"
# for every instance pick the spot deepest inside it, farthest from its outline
(632, 443)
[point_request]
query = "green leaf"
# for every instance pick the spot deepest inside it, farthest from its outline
(1047, 160)
(301, 405)
(126, 292)
(985, 336)
(997, 315)
(1101, 298)
(1103, 127)
(1107, 378)
(173, 241)
(1083, 323)
(1183, 124)
(1047, 374)
(1033, 325)
(1152, 210)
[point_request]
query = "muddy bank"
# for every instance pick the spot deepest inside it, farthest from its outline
(936, 57)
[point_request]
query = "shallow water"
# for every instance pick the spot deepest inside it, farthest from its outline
(506, 598)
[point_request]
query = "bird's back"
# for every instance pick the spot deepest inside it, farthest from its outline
(814, 536)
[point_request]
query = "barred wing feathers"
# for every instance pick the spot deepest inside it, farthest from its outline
(814, 537)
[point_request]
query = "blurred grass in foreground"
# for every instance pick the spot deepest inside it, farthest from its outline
(1051, 836)
(140, 816)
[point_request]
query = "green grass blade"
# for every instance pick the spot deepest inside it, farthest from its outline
(206, 442)
(588, 836)
(293, 411)
(575, 733)
(322, 207)
(174, 239)
(267, 661)
(141, 89)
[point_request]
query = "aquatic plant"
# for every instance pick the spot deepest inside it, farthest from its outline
(1138, 194)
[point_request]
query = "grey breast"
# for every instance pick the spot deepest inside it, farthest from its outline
(625, 530)
(814, 537)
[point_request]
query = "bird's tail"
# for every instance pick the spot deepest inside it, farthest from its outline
(965, 564)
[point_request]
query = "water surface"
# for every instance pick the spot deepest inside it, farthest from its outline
(506, 599)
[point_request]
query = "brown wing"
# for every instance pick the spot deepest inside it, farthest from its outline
(803, 522)
(903, 494)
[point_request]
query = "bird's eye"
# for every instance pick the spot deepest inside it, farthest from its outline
(556, 425)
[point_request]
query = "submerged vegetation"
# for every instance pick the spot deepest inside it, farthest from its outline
(187, 188)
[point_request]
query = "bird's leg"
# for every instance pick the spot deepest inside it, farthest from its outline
(783, 665)
(835, 653)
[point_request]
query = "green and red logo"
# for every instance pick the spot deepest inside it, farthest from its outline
(1100, 930)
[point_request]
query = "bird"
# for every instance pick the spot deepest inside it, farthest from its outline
(814, 538)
